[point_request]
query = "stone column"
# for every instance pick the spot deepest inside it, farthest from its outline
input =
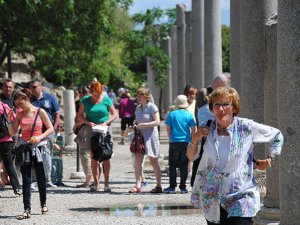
(253, 16)
(174, 62)
(197, 73)
(167, 90)
(181, 60)
(270, 213)
(154, 89)
(235, 65)
(188, 47)
(212, 40)
(69, 115)
(288, 65)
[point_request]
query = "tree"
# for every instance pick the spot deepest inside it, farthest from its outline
(64, 36)
(145, 43)
(226, 48)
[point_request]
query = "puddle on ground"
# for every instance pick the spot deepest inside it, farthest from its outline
(148, 210)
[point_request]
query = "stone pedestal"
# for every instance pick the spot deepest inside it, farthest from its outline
(197, 73)
(288, 65)
(213, 41)
(267, 216)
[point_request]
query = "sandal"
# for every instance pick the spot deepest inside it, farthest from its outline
(156, 190)
(26, 215)
(135, 190)
(107, 189)
(44, 210)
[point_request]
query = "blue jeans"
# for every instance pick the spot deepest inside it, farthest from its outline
(178, 158)
(40, 176)
(57, 170)
(5, 152)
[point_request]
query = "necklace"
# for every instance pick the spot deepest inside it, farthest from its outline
(222, 131)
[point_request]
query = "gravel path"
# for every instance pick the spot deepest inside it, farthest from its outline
(71, 205)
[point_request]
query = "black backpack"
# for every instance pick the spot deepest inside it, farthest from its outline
(3, 123)
(102, 147)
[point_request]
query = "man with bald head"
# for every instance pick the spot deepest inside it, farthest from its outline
(219, 81)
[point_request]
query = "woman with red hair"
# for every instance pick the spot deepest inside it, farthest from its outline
(94, 110)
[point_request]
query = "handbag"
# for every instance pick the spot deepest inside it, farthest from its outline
(137, 144)
(23, 151)
(23, 154)
(102, 147)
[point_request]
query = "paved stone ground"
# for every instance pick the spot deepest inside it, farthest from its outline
(71, 205)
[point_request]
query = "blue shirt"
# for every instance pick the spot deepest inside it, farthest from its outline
(48, 103)
(204, 114)
(180, 122)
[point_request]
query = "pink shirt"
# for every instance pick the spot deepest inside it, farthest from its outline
(27, 123)
(6, 107)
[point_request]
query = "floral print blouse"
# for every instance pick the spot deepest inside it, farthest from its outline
(234, 187)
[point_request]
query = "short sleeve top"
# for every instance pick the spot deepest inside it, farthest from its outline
(96, 113)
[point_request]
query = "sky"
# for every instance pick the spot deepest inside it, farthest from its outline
(140, 6)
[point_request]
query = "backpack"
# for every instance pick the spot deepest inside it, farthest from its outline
(137, 144)
(3, 123)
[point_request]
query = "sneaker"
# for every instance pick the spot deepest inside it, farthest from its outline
(183, 190)
(144, 183)
(33, 186)
(60, 184)
(50, 184)
(169, 190)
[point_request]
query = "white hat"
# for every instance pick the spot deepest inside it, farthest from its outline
(181, 102)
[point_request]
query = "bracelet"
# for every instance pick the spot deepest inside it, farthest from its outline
(269, 157)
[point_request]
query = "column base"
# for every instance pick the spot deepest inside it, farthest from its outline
(267, 216)
(77, 175)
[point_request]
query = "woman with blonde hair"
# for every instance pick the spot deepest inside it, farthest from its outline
(147, 120)
(94, 110)
(34, 134)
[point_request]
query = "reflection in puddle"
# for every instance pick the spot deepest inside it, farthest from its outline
(148, 210)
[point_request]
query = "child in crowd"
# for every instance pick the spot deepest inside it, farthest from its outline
(57, 162)
(180, 126)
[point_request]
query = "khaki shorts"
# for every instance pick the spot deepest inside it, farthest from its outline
(85, 152)
(85, 158)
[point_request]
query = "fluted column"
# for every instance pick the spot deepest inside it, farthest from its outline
(197, 73)
(235, 65)
(181, 60)
(288, 108)
(212, 40)
(174, 65)
(167, 90)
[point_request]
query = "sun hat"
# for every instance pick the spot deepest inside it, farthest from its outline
(181, 102)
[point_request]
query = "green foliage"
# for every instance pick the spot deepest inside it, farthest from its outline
(68, 38)
(226, 48)
(145, 43)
